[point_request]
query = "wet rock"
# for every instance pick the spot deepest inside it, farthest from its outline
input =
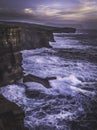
(37, 94)
(33, 78)
(33, 94)
(11, 116)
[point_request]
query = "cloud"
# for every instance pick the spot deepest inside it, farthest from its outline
(61, 11)
(85, 9)
(28, 11)
(48, 10)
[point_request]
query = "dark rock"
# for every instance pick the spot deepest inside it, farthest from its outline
(10, 70)
(33, 93)
(21, 36)
(11, 116)
(43, 81)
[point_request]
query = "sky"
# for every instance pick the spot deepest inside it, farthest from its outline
(55, 12)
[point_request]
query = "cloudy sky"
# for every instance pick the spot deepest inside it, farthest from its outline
(50, 11)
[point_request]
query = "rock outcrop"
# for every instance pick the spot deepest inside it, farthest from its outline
(43, 81)
(11, 116)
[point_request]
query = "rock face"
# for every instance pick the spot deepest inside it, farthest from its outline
(10, 58)
(34, 38)
(11, 116)
(10, 67)
(28, 36)
(16, 38)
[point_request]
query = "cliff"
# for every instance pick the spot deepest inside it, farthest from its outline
(15, 37)
(29, 36)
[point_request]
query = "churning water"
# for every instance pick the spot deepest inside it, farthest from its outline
(71, 102)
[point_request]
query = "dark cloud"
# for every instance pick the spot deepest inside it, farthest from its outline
(14, 13)
(46, 11)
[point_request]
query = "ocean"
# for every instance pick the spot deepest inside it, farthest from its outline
(71, 102)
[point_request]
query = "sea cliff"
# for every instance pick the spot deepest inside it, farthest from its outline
(15, 37)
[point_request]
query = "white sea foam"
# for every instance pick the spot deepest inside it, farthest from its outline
(71, 79)
(14, 93)
(46, 65)
(67, 43)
